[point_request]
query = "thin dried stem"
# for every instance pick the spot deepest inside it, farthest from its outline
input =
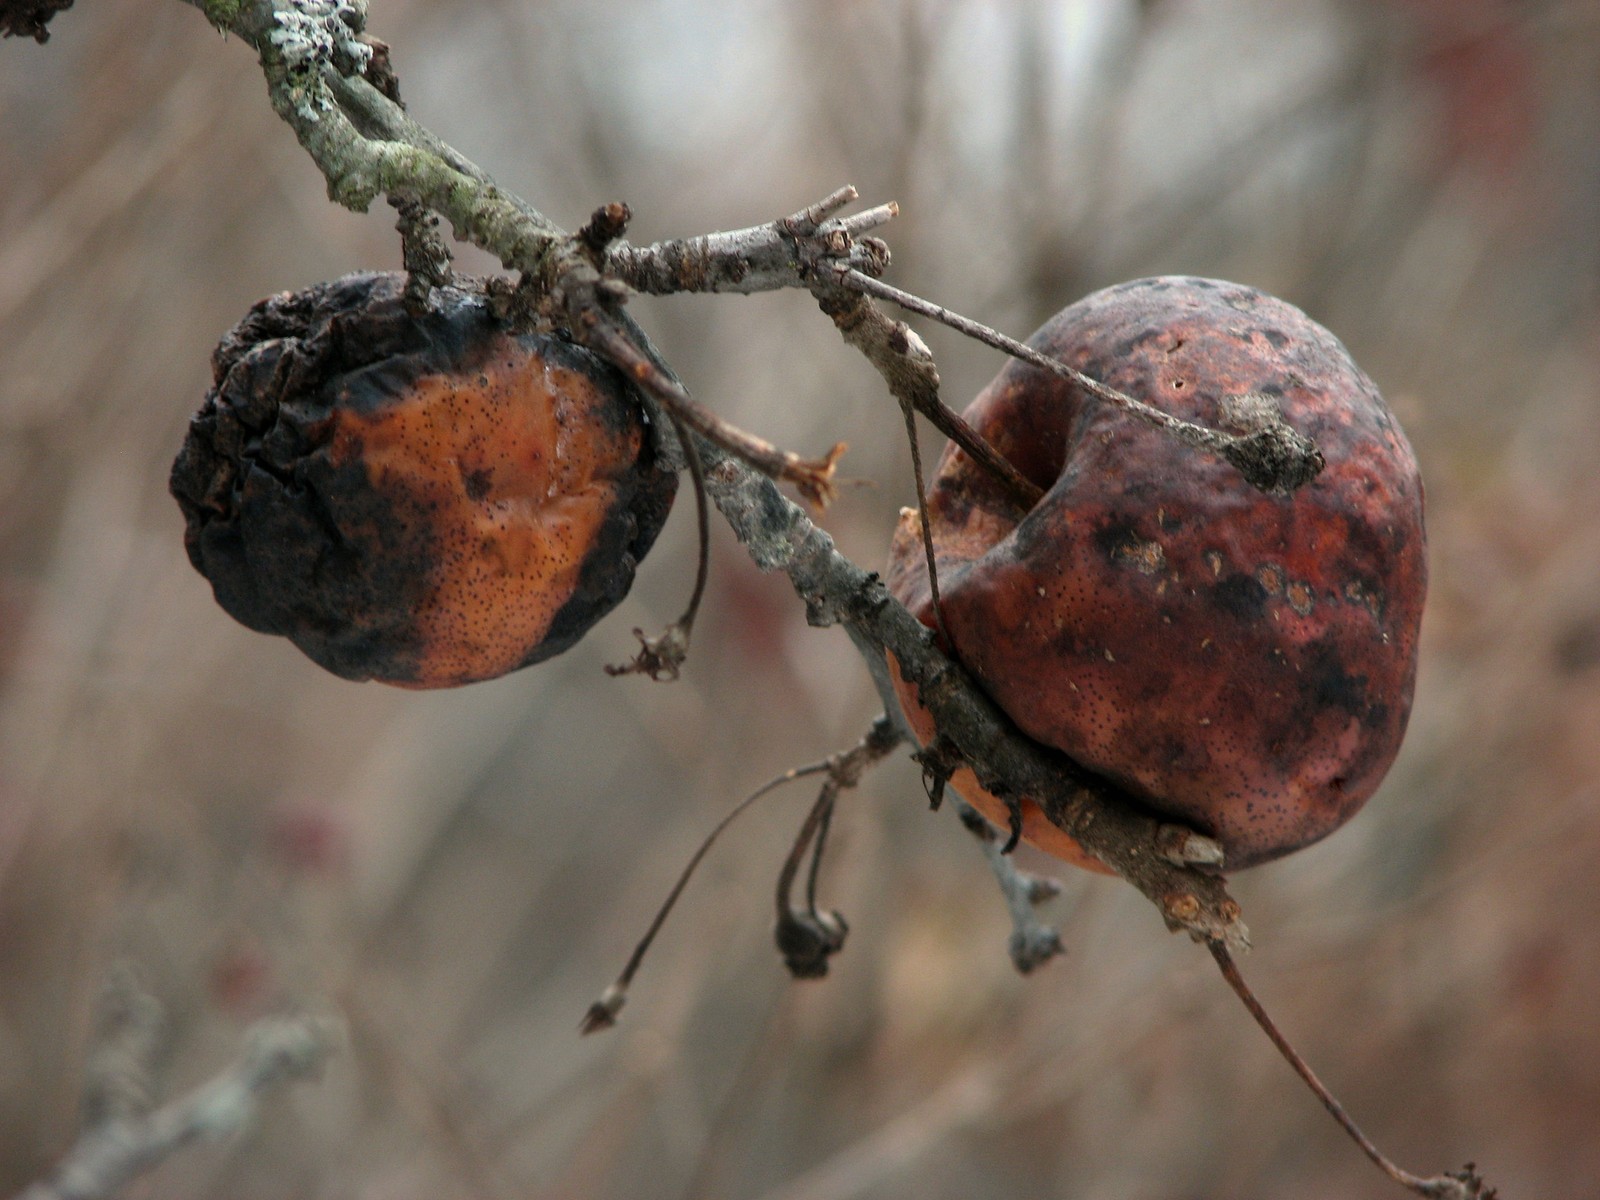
(813, 478)
(926, 528)
(818, 849)
(844, 770)
(1272, 456)
(807, 937)
(603, 1012)
(662, 657)
(1461, 1185)
(907, 368)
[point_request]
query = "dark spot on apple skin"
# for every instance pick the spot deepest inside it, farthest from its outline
(1240, 596)
(1330, 687)
(477, 484)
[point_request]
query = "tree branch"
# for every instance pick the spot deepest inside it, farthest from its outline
(1108, 823)
(123, 1136)
(411, 164)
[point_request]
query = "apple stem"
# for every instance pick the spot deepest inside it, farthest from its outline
(927, 529)
(843, 770)
(602, 1013)
(1463, 1185)
(662, 657)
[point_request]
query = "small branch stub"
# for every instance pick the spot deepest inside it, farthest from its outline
(1183, 847)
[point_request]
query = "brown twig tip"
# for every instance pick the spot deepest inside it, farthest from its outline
(815, 478)
(1181, 907)
(605, 225)
(603, 1012)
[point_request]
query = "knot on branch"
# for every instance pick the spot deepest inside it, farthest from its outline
(422, 251)
(1183, 847)
(1277, 459)
(1271, 454)
(605, 225)
(826, 246)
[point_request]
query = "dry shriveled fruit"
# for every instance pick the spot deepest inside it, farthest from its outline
(1237, 660)
(423, 499)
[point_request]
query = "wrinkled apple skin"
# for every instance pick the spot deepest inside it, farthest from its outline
(1240, 661)
(424, 499)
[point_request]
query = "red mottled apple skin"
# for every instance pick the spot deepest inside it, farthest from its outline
(1240, 661)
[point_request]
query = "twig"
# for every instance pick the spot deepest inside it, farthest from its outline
(603, 1012)
(926, 529)
(808, 937)
(762, 258)
(813, 478)
(123, 1136)
(906, 365)
(843, 770)
(1465, 1184)
(775, 532)
(1033, 943)
(1268, 452)
(662, 657)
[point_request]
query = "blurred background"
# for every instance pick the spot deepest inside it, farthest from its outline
(459, 874)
